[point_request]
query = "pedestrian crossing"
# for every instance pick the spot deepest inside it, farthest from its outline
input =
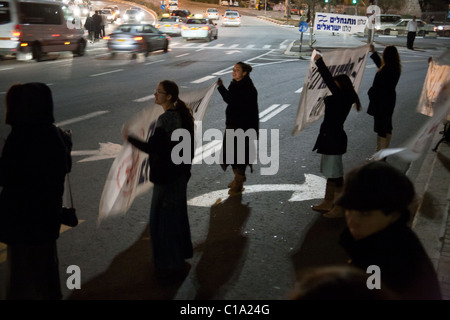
(233, 46)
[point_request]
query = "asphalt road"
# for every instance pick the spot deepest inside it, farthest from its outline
(245, 248)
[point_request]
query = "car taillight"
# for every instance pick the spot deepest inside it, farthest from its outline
(205, 28)
(16, 32)
(138, 38)
(106, 37)
(158, 25)
(176, 25)
(184, 28)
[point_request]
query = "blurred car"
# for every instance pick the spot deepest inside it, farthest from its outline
(170, 25)
(229, 3)
(442, 30)
(212, 13)
(82, 10)
(400, 26)
(137, 38)
(133, 15)
(199, 28)
(109, 15)
(115, 11)
(173, 5)
(182, 13)
(231, 18)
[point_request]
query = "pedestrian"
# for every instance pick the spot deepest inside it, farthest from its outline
(89, 25)
(169, 222)
(411, 28)
(376, 198)
(332, 140)
(242, 124)
(33, 166)
(103, 24)
(97, 23)
(382, 94)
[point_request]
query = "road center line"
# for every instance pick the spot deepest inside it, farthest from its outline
(103, 73)
(274, 113)
(78, 119)
(203, 79)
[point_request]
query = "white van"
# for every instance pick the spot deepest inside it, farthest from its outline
(38, 27)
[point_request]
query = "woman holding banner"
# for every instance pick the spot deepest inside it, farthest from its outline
(382, 94)
(169, 224)
(332, 139)
(241, 113)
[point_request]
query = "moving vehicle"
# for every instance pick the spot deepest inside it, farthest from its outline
(133, 15)
(182, 13)
(34, 28)
(442, 30)
(400, 27)
(212, 13)
(170, 25)
(173, 5)
(114, 10)
(137, 38)
(199, 28)
(109, 15)
(229, 3)
(231, 18)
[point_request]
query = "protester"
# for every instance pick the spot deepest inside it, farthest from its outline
(376, 198)
(332, 139)
(89, 25)
(169, 223)
(97, 24)
(241, 113)
(103, 24)
(382, 94)
(32, 172)
(338, 282)
(411, 27)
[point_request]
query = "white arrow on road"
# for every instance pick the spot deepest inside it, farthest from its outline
(312, 188)
(106, 151)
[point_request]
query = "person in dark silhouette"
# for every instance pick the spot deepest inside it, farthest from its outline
(32, 172)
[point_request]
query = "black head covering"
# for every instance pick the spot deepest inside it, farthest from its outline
(29, 103)
(377, 186)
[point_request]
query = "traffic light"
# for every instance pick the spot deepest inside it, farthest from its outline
(355, 1)
(326, 1)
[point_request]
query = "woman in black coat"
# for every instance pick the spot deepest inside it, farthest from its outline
(241, 113)
(32, 171)
(332, 139)
(376, 199)
(382, 94)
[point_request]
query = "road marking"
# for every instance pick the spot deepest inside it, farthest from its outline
(152, 62)
(312, 188)
(78, 119)
(267, 46)
(206, 150)
(269, 109)
(299, 90)
(103, 73)
(219, 45)
(4, 69)
(146, 98)
(250, 46)
(203, 79)
(182, 55)
(274, 113)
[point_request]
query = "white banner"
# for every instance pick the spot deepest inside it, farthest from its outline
(130, 171)
(373, 16)
(311, 107)
(438, 74)
(342, 23)
(434, 102)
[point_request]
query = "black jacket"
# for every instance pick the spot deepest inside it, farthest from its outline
(332, 139)
(405, 267)
(32, 172)
(382, 97)
(242, 104)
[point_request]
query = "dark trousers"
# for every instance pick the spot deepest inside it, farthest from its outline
(410, 39)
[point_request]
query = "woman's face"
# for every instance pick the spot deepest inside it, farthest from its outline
(238, 74)
(362, 224)
(161, 96)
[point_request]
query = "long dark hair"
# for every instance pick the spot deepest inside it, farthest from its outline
(187, 119)
(346, 86)
(391, 59)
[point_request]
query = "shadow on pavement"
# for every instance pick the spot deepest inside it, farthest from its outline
(320, 246)
(131, 276)
(224, 250)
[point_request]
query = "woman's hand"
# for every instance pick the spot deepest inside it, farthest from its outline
(219, 82)
(317, 56)
(372, 48)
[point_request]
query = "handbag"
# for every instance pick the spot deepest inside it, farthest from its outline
(69, 215)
